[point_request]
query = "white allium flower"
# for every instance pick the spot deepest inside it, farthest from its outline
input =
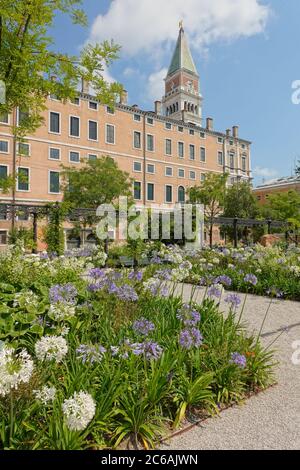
(51, 348)
(45, 394)
(215, 261)
(26, 299)
(78, 411)
(295, 270)
(64, 331)
(61, 311)
(15, 368)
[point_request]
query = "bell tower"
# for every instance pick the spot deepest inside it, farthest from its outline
(182, 99)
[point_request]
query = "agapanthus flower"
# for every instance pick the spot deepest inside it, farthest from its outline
(274, 292)
(45, 395)
(90, 353)
(97, 273)
(79, 410)
(215, 291)
(143, 326)
(155, 287)
(150, 349)
(26, 299)
(50, 348)
(164, 274)
(251, 279)
(15, 369)
(64, 293)
(135, 275)
(190, 338)
(224, 280)
(188, 315)
(61, 311)
(233, 299)
(238, 359)
(127, 293)
(122, 350)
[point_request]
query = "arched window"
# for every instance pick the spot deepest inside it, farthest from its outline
(192, 108)
(181, 194)
(177, 106)
(73, 241)
(91, 240)
(189, 107)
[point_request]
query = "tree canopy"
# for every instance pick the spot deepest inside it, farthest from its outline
(240, 201)
(211, 194)
(98, 182)
(30, 67)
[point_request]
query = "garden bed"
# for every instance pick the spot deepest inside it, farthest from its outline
(92, 362)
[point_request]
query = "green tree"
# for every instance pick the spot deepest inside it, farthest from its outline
(31, 69)
(240, 202)
(297, 168)
(283, 206)
(211, 194)
(98, 182)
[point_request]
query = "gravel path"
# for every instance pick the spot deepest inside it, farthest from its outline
(270, 420)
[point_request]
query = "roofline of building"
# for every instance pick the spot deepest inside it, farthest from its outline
(159, 117)
(276, 185)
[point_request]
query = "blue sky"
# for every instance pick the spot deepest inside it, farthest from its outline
(246, 52)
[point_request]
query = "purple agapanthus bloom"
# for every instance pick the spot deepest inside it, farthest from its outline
(214, 291)
(156, 260)
(223, 279)
(112, 288)
(202, 281)
(143, 326)
(190, 337)
(65, 293)
(135, 275)
(274, 292)
(188, 315)
(238, 359)
(127, 293)
(90, 353)
(96, 286)
(150, 349)
(97, 273)
(251, 279)
(164, 274)
(233, 299)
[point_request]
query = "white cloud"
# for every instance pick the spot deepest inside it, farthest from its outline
(151, 27)
(265, 172)
(129, 72)
(156, 84)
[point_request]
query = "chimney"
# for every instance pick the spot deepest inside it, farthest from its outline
(124, 97)
(157, 107)
(85, 86)
(235, 131)
(209, 124)
(228, 132)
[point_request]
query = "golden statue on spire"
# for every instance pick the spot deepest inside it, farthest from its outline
(181, 24)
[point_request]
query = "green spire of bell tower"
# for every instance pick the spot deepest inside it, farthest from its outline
(182, 57)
